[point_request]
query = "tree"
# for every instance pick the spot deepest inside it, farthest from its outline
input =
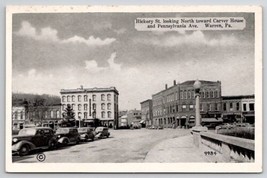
(68, 119)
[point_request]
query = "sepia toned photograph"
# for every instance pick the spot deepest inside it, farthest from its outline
(149, 89)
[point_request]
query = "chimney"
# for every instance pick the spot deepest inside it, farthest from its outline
(174, 82)
(166, 86)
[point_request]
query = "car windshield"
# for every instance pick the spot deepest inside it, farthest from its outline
(62, 131)
(29, 131)
(82, 130)
(98, 129)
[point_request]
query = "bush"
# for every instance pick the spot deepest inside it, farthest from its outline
(242, 132)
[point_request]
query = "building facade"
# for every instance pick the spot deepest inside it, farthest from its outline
(146, 112)
(45, 116)
(130, 118)
(238, 108)
(175, 106)
(92, 103)
(18, 117)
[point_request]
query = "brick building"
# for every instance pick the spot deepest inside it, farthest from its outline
(146, 112)
(175, 106)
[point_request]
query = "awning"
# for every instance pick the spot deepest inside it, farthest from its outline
(249, 115)
(211, 120)
(142, 121)
(88, 120)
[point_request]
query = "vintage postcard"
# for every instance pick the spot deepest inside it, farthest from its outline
(101, 89)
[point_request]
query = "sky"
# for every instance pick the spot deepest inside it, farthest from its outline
(54, 51)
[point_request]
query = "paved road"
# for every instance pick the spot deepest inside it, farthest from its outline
(122, 146)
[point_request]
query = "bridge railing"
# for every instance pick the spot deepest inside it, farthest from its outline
(232, 149)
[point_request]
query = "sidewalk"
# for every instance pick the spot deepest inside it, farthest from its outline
(180, 149)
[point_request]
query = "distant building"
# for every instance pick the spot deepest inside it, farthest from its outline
(238, 108)
(146, 111)
(46, 116)
(92, 103)
(18, 117)
(130, 118)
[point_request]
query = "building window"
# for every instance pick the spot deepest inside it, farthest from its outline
(185, 94)
(216, 94)
(208, 107)
(46, 114)
(63, 98)
(103, 114)
(109, 114)
(52, 114)
(79, 115)
(102, 97)
(244, 107)
(79, 107)
(251, 106)
(94, 97)
(94, 106)
(183, 107)
(237, 106)
(181, 95)
(58, 114)
(63, 107)
(201, 107)
(94, 115)
(207, 94)
(203, 94)
(85, 98)
(191, 107)
(109, 106)
(73, 106)
(68, 98)
(103, 106)
(109, 97)
(85, 107)
(216, 106)
(224, 106)
(231, 106)
(79, 98)
(211, 94)
(73, 98)
(85, 115)
(189, 95)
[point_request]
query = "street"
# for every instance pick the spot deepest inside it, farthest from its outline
(122, 146)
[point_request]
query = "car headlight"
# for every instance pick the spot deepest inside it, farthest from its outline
(15, 140)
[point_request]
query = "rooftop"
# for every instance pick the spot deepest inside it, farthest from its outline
(84, 90)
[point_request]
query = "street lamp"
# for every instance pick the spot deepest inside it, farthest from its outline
(197, 86)
(198, 128)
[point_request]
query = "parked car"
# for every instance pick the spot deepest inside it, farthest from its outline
(29, 139)
(86, 133)
(102, 132)
(67, 135)
(160, 127)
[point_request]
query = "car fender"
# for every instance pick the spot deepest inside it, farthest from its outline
(23, 142)
(62, 139)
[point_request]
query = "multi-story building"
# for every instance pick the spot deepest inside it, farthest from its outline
(146, 111)
(92, 103)
(175, 106)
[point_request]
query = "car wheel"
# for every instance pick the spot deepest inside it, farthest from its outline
(24, 150)
(78, 141)
(65, 142)
(107, 135)
(93, 138)
(52, 145)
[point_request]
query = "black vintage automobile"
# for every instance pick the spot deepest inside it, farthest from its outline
(29, 139)
(102, 132)
(86, 133)
(67, 135)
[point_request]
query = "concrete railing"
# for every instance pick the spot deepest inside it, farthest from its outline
(232, 149)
